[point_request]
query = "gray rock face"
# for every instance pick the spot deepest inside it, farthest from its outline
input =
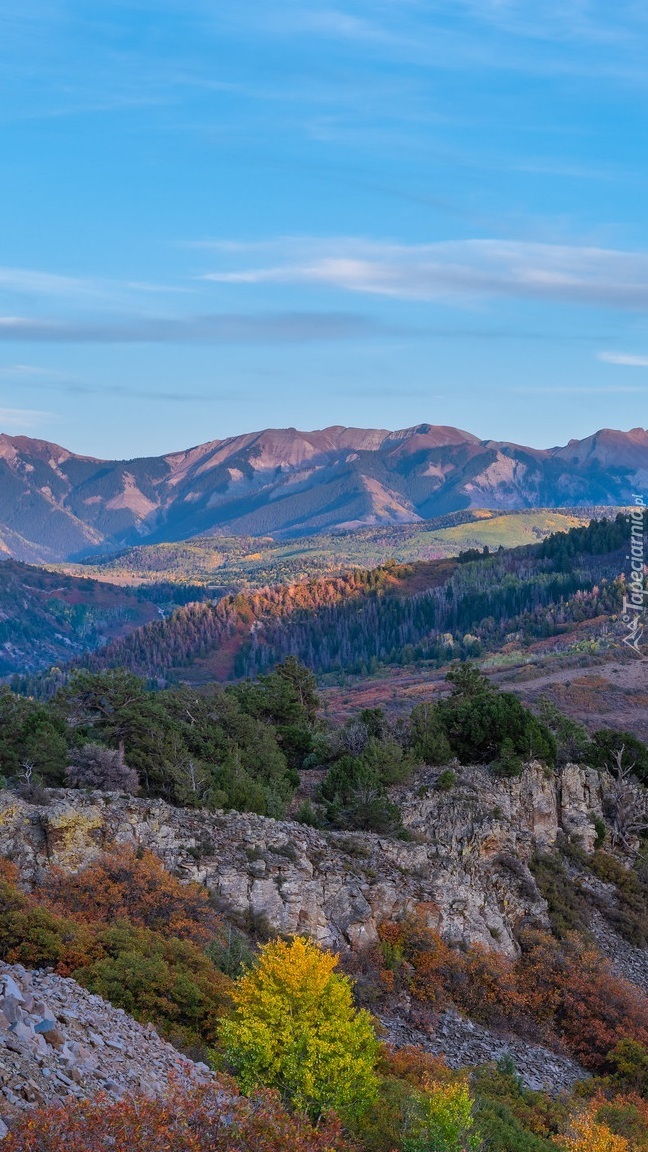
(466, 862)
(66, 1043)
(581, 797)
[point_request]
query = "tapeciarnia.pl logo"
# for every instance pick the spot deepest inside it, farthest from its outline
(634, 600)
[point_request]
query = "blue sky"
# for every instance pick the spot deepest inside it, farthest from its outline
(219, 217)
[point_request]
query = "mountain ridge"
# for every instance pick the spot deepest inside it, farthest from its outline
(285, 483)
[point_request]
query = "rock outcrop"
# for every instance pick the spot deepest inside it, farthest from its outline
(466, 859)
(59, 1041)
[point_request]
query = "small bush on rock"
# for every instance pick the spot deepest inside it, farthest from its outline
(508, 764)
(446, 780)
(428, 737)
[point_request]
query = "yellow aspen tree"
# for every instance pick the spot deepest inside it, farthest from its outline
(587, 1135)
(294, 1028)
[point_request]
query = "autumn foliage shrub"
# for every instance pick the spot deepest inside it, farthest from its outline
(441, 1120)
(626, 1116)
(570, 985)
(562, 989)
(34, 936)
(155, 975)
(413, 1066)
(205, 1119)
(477, 980)
(421, 1106)
(135, 886)
(587, 1134)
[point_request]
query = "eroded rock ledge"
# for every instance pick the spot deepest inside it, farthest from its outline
(467, 862)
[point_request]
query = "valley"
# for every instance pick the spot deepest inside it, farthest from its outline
(233, 563)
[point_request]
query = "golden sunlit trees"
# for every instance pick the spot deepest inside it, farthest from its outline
(588, 1135)
(294, 1028)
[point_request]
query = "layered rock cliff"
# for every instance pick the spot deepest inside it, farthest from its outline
(466, 859)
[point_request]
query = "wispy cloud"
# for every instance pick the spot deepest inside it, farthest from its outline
(340, 23)
(52, 285)
(21, 418)
(459, 272)
(127, 393)
(39, 283)
(570, 37)
(31, 374)
(576, 390)
(36, 378)
(625, 359)
(230, 328)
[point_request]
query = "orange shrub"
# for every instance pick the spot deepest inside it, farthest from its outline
(563, 988)
(125, 885)
(540, 975)
(486, 986)
(590, 1007)
(414, 1066)
(9, 872)
(414, 955)
(35, 937)
(205, 1119)
(479, 981)
(153, 975)
(626, 1115)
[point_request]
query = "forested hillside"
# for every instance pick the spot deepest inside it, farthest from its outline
(532, 592)
(392, 614)
(49, 618)
(230, 563)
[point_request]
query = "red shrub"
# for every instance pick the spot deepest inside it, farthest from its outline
(563, 988)
(205, 1119)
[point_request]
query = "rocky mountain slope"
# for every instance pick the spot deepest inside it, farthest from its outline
(59, 1041)
(55, 504)
(467, 863)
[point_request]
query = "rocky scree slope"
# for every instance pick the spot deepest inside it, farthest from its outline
(59, 1041)
(465, 1044)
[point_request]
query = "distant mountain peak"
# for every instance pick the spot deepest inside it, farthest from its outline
(283, 482)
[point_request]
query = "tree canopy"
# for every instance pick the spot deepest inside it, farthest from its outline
(294, 1028)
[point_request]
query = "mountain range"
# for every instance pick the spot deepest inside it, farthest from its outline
(56, 505)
